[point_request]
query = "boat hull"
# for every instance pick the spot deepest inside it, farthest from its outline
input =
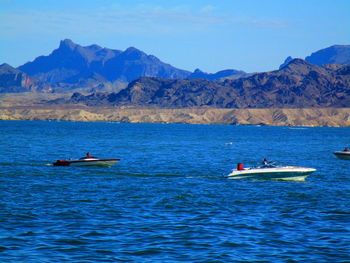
(88, 162)
(342, 155)
(290, 173)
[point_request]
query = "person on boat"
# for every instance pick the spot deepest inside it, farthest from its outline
(265, 162)
(240, 166)
(346, 149)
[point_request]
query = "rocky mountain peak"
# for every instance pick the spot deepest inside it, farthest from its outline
(133, 53)
(6, 69)
(298, 61)
(197, 70)
(94, 47)
(300, 67)
(67, 44)
(286, 62)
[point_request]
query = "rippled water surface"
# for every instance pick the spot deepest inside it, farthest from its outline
(168, 200)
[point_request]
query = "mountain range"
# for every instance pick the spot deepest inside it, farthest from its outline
(104, 74)
(92, 68)
(71, 63)
(297, 85)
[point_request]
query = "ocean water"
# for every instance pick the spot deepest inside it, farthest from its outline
(168, 200)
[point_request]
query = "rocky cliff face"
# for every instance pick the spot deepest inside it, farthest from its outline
(13, 80)
(297, 85)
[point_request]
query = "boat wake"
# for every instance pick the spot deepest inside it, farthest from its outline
(26, 164)
(289, 179)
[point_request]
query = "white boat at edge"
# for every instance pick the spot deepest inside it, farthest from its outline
(343, 155)
(290, 173)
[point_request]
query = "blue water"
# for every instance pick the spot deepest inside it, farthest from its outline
(168, 200)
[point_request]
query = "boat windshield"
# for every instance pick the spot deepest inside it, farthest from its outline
(270, 164)
(87, 158)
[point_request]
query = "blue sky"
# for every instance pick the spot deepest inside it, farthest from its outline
(250, 35)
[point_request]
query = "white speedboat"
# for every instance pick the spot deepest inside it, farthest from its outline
(344, 155)
(290, 173)
(87, 161)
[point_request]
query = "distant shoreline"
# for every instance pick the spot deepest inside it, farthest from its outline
(306, 117)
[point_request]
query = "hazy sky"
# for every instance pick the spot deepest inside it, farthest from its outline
(251, 35)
